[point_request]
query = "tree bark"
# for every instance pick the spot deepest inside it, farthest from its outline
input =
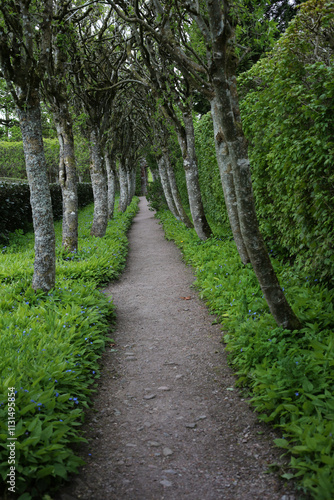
(143, 177)
(166, 186)
(99, 185)
(175, 192)
(40, 198)
(187, 144)
(68, 178)
(223, 79)
(111, 177)
(154, 174)
(123, 187)
(133, 182)
(129, 182)
(226, 176)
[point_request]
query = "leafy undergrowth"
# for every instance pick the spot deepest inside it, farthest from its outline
(291, 377)
(50, 346)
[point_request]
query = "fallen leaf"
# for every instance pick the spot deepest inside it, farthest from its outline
(185, 298)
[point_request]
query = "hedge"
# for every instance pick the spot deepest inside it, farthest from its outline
(16, 209)
(12, 162)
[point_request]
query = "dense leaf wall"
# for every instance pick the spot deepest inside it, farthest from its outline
(288, 116)
(12, 162)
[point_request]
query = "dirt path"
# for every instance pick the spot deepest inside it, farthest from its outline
(166, 423)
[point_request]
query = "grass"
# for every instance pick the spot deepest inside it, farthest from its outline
(290, 376)
(50, 345)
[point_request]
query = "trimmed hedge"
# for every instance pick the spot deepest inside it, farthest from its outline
(12, 163)
(16, 209)
(288, 117)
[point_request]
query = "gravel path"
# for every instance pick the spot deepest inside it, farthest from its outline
(166, 422)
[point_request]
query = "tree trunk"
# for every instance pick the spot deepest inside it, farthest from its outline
(143, 177)
(40, 198)
(226, 176)
(175, 192)
(111, 176)
(154, 174)
(123, 187)
(129, 182)
(187, 144)
(133, 181)
(166, 186)
(68, 179)
(99, 185)
(223, 78)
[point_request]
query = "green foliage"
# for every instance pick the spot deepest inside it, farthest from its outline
(138, 180)
(177, 162)
(291, 375)
(208, 172)
(50, 346)
(288, 117)
(256, 32)
(155, 196)
(12, 162)
(16, 210)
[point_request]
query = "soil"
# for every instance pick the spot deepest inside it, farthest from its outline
(167, 421)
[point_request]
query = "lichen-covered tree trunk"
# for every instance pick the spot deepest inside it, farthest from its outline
(166, 186)
(68, 178)
(99, 185)
(223, 78)
(123, 187)
(226, 176)
(175, 192)
(111, 177)
(40, 198)
(187, 144)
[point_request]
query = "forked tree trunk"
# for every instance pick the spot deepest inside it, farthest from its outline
(68, 179)
(223, 78)
(187, 144)
(175, 192)
(99, 185)
(226, 176)
(123, 187)
(111, 176)
(166, 186)
(40, 198)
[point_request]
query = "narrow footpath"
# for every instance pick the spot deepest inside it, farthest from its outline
(167, 421)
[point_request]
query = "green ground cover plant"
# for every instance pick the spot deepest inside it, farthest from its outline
(290, 376)
(50, 345)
